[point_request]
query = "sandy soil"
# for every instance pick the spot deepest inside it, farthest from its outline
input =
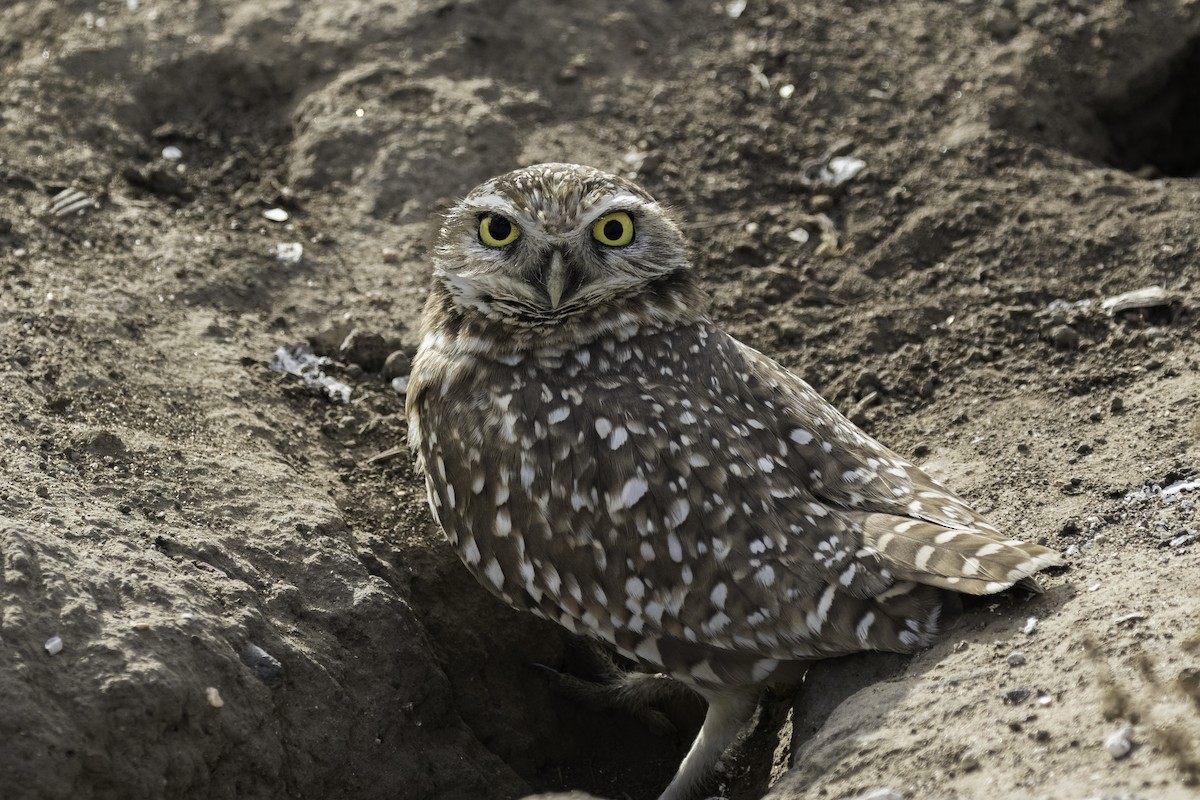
(249, 594)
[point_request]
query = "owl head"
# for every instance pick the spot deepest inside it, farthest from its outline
(545, 248)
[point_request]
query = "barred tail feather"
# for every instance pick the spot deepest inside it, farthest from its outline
(960, 559)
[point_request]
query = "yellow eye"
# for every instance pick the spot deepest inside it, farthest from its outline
(496, 231)
(614, 230)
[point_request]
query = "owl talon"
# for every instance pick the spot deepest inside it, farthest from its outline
(629, 693)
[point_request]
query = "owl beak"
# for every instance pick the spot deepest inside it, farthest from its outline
(556, 278)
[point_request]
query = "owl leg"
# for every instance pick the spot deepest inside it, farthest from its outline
(728, 713)
(608, 687)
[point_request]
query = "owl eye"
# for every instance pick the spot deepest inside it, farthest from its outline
(496, 231)
(614, 230)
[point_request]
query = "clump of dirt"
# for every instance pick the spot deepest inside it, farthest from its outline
(217, 583)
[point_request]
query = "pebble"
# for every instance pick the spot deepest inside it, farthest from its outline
(54, 645)
(288, 253)
(1015, 697)
(214, 697)
(267, 667)
(1065, 338)
(799, 235)
(1016, 658)
(1120, 742)
(1030, 626)
(398, 364)
(276, 215)
(369, 350)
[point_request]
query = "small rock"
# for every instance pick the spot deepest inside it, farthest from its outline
(1030, 626)
(1132, 616)
(369, 350)
(1015, 697)
(288, 253)
(1119, 743)
(276, 215)
(397, 365)
(214, 697)
(799, 235)
(390, 255)
(1117, 405)
(328, 340)
(1016, 658)
(1065, 338)
(54, 645)
(266, 666)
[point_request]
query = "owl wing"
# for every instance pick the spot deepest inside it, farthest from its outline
(770, 527)
(919, 530)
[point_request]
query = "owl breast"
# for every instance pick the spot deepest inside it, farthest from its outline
(598, 486)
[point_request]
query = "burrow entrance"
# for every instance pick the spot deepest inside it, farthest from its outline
(1154, 128)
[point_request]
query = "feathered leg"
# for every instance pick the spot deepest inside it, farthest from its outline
(728, 713)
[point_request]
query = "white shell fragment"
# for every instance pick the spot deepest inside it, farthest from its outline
(214, 697)
(1030, 626)
(299, 360)
(172, 153)
(800, 235)
(844, 168)
(1119, 743)
(276, 215)
(1150, 297)
(54, 645)
(288, 253)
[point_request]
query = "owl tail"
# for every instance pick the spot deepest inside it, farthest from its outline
(963, 560)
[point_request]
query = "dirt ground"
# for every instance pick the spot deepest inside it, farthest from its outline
(249, 594)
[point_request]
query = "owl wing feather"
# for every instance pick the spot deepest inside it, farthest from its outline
(921, 530)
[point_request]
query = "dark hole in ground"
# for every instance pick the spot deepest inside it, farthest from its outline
(1155, 126)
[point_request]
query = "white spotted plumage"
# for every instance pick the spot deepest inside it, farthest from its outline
(603, 455)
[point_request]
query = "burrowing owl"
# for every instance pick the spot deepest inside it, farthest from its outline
(601, 454)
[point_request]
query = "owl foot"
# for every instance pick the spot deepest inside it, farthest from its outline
(611, 688)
